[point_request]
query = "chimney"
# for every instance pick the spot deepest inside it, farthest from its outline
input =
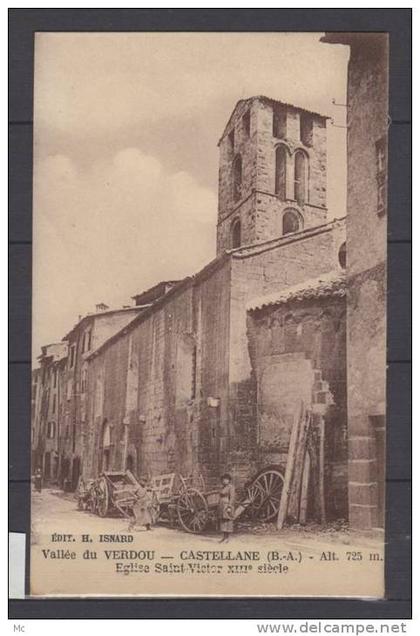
(101, 307)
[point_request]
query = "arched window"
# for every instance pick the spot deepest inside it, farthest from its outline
(291, 222)
(342, 256)
(281, 171)
(235, 233)
(300, 177)
(237, 177)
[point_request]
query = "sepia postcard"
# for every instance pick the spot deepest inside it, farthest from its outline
(209, 314)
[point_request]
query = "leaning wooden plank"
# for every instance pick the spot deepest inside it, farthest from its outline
(284, 501)
(322, 469)
(303, 509)
(296, 482)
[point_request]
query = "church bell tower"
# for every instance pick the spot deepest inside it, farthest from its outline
(272, 172)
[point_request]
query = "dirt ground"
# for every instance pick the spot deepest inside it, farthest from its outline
(56, 511)
(310, 561)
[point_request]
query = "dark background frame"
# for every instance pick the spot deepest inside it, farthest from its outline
(23, 23)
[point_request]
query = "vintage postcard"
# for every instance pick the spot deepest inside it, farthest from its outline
(209, 314)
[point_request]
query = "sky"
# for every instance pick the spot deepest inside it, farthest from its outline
(126, 159)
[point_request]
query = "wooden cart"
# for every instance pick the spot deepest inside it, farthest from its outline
(181, 501)
(193, 507)
(114, 492)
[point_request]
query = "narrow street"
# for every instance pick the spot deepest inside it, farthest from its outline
(55, 511)
(171, 562)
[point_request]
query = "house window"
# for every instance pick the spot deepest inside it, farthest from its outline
(279, 122)
(300, 177)
(281, 172)
(291, 222)
(237, 177)
(306, 129)
(235, 233)
(54, 406)
(72, 355)
(86, 342)
(51, 430)
(55, 378)
(83, 385)
(246, 122)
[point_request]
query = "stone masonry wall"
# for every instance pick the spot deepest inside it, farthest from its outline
(259, 208)
(156, 384)
(256, 272)
(297, 349)
(246, 146)
(366, 272)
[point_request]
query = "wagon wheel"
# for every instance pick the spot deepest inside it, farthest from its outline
(265, 494)
(192, 510)
(102, 497)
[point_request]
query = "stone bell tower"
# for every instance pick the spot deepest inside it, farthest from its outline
(272, 172)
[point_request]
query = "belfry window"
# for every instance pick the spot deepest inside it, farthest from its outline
(237, 177)
(279, 121)
(291, 222)
(300, 177)
(236, 233)
(281, 172)
(306, 129)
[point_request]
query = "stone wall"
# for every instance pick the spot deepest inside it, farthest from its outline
(259, 209)
(255, 272)
(156, 382)
(298, 356)
(366, 261)
(246, 146)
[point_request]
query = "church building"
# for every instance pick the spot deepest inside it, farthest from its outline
(176, 389)
(207, 374)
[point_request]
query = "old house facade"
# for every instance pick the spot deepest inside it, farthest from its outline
(367, 146)
(47, 404)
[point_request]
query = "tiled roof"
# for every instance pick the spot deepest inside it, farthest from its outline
(331, 284)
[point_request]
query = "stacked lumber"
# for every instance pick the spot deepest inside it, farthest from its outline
(304, 469)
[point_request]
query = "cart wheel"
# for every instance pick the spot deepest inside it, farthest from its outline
(264, 494)
(193, 511)
(102, 497)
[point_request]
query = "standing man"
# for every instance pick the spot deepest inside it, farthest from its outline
(226, 507)
(38, 480)
(142, 507)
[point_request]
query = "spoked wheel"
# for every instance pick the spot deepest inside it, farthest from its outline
(192, 510)
(102, 497)
(264, 494)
